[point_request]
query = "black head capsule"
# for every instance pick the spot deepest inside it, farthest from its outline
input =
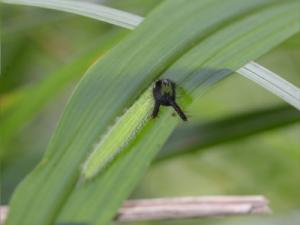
(164, 93)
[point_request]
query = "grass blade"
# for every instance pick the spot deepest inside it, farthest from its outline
(88, 9)
(187, 139)
(253, 71)
(194, 60)
(272, 82)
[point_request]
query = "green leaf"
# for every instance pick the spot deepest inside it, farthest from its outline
(272, 82)
(88, 9)
(196, 137)
(194, 43)
(265, 78)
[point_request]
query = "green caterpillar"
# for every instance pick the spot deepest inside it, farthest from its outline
(119, 136)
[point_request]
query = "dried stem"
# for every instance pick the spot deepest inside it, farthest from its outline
(184, 207)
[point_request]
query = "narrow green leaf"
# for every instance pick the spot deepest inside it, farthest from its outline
(195, 47)
(272, 82)
(88, 9)
(265, 78)
(189, 139)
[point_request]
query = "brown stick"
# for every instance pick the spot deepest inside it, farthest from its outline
(184, 207)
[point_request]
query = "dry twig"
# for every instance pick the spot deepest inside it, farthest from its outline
(185, 207)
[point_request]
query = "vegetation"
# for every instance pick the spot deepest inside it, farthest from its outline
(98, 77)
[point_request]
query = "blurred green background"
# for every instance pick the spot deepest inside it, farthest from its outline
(38, 43)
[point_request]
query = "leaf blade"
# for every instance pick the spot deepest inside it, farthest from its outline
(85, 118)
(187, 139)
(88, 9)
(272, 82)
(105, 184)
(290, 93)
